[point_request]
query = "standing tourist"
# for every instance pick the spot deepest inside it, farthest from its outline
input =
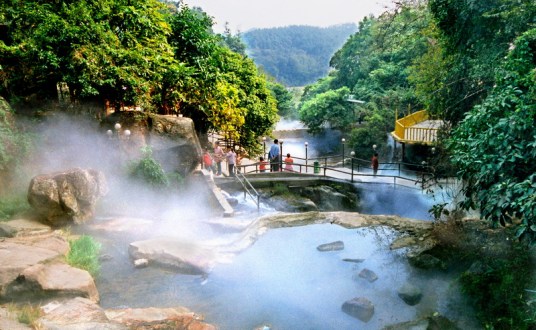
(231, 159)
(273, 155)
(218, 156)
(207, 161)
(375, 163)
(288, 163)
(262, 164)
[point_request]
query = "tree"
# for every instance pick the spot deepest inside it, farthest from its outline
(329, 108)
(494, 147)
(113, 50)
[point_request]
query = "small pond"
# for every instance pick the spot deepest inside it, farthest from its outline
(282, 281)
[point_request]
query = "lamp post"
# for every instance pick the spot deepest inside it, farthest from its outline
(110, 134)
(343, 140)
(117, 127)
(264, 146)
(281, 156)
(352, 154)
(306, 145)
(127, 134)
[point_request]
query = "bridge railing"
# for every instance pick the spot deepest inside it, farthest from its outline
(351, 168)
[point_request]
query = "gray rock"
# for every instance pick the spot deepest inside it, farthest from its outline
(141, 263)
(76, 314)
(353, 260)
(368, 274)
(181, 256)
(7, 231)
(360, 308)
(52, 280)
(410, 294)
(68, 196)
(333, 246)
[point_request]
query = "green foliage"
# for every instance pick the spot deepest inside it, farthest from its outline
(26, 314)
(280, 189)
(148, 170)
(296, 55)
(14, 144)
(285, 100)
(494, 147)
(371, 133)
(497, 288)
(84, 254)
(12, 205)
(329, 108)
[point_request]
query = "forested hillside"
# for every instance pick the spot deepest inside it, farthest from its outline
(296, 55)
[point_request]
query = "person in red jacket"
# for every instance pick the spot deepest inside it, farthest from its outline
(207, 161)
(375, 163)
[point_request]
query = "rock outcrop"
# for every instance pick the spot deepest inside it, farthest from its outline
(173, 139)
(410, 294)
(184, 257)
(68, 196)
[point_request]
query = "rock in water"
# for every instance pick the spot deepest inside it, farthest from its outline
(360, 308)
(68, 196)
(410, 294)
(333, 246)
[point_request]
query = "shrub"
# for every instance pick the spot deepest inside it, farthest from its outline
(148, 170)
(84, 254)
(26, 314)
(498, 290)
(11, 205)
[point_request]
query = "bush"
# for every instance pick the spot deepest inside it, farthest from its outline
(12, 205)
(148, 170)
(498, 290)
(84, 254)
(26, 314)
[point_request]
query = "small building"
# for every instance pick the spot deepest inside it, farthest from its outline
(417, 129)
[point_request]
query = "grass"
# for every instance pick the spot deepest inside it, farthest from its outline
(26, 314)
(12, 205)
(84, 254)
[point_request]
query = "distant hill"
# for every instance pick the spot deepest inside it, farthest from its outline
(296, 55)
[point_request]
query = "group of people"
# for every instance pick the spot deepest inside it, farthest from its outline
(218, 156)
(233, 160)
(273, 156)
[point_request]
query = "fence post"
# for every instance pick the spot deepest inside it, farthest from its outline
(352, 175)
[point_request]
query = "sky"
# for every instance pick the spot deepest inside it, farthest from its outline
(243, 15)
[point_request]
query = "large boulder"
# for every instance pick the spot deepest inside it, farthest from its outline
(69, 196)
(173, 139)
(15, 257)
(45, 281)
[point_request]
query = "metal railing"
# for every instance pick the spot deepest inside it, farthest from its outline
(248, 189)
(352, 168)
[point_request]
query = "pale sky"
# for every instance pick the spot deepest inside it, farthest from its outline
(243, 15)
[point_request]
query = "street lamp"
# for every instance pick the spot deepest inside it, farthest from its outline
(281, 155)
(343, 140)
(127, 134)
(264, 146)
(374, 147)
(352, 153)
(306, 144)
(110, 133)
(117, 127)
